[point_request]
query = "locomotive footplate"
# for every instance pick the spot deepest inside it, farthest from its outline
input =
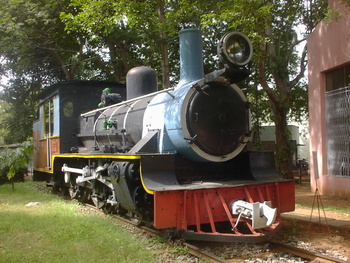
(165, 172)
(226, 209)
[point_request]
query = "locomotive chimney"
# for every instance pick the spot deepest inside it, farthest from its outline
(191, 58)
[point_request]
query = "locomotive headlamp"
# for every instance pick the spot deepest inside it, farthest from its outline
(235, 49)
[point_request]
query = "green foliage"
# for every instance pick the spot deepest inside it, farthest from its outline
(19, 110)
(299, 103)
(142, 32)
(33, 38)
(182, 250)
(35, 51)
(36, 47)
(14, 161)
(337, 10)
(3, 115)
(156, 240)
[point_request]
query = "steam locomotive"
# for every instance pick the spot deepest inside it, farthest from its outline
(175, 158)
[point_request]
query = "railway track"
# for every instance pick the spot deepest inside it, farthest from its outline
(275, 247)
(202, 252)
(197, 252)
(310, 255)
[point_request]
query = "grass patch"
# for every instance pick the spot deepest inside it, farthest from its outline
(180, 250)
(337, 209)
(327, 208)
(56, 231)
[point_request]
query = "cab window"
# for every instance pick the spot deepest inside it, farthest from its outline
(49, 118)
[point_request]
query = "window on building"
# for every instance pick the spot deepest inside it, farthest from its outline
(338, 121)
(338, 78)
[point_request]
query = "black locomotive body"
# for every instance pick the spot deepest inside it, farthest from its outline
(176, 158)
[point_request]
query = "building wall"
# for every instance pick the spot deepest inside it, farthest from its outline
(302, 142)
(268, 133)
(328, 48)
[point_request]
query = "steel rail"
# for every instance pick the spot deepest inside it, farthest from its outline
(303, 253)
(197, 252)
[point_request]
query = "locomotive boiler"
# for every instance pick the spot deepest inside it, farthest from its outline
(177, 158)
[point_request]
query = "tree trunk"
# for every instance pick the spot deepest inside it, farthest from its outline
(164, 48)
(127, 62)
(67, 73)
(165, 64)
(283, 149)
(279, 109)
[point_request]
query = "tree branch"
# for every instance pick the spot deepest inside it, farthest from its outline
(61, 62)
(303, 63)
(263, 81)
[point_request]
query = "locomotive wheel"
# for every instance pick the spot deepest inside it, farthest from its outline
(97, 200)
(74, 192)
(135, 218)
(85, 194)
(115, 209)
(143, 201)
(55, 188)
(111, 209)
(64, 190)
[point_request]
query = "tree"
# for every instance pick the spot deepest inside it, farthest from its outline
(3, 116)
(14, 162)
(107, 32)
(35, 51)
(19, 111)
(33, 41)
(120, 27)
(138, 32)
(272, 27)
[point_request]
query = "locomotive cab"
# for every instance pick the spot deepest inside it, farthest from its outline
(60, 106)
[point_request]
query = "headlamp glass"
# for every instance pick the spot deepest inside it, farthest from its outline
(236, 48)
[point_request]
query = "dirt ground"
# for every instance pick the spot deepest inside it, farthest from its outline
(335, 239)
